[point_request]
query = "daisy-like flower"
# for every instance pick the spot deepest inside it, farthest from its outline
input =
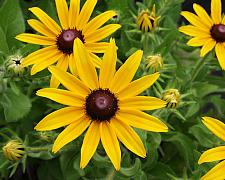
(107, 105)
(215, 154)
(147, 22)
(208, 32)
(59, 40)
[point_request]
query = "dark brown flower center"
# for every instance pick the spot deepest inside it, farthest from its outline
(66, 38)
(101, 105)
(218, 32)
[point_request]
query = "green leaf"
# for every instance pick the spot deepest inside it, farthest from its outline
(161, 172)
(133, 170)
(3, 45)
(16, 106)
(12, 21)
(184, 146)
(203, 135)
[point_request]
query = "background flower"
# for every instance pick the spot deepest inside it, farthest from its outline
(75, 23)
(208, 32)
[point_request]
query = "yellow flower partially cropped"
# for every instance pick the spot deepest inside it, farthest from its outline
(106, 105)
(215, 154)
(59, 39)
(147, 22)
(208, 32)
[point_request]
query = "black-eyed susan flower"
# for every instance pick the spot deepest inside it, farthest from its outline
(146, 21)
(13, 150)
(107, 105)
(59, 40)
(172, 97)
(214, 154)
(208, 32)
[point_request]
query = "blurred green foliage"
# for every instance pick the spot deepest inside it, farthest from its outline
(172, 155)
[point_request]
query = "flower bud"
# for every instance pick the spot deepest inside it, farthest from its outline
(154, 62)
(13, 150)
(172, 97)
(147, 22)
(13, 64)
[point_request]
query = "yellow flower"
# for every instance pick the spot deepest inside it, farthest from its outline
(208, 32)
(215, 154)
(13, 150)
(59, 41)
(107, 105)
(172, 97)
(155, 62)
(147, 22)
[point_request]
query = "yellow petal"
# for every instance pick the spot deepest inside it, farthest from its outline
(216, 126)
(101, 33)
(60, 118)
(110, 144)
(70, 133)
(197, 41)
(141, 120)
(36, 39)
(63, 64)
(223, 21)
(138, 86)
(193, 19)
(194, 31)
(128, 137)
(203, 15)
(85, 13)
(126, 72)
(215, 154)
(40, 27)
(85, 67)
(37, 67)
(95, 60)
(216, 173)
(108, 66)
(208, 46)
(98, 21)
(72, 65)
(70, 81)
(40, 55)
(46, 20)
(216, 10)
(90, 143)
(62, 96)
(142, 103)
(220, 49)
(63, 13)
(99, 47)
(74, 12)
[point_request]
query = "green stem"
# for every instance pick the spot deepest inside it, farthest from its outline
(145, 45)
(37, 149)
(198, 68)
